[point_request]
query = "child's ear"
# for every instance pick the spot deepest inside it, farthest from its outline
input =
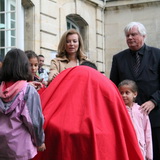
(135, 94)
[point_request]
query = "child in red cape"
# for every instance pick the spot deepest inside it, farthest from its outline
(86, 119)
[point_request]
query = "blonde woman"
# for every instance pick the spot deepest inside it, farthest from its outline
(70, 53)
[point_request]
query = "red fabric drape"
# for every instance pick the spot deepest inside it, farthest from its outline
(86, 119)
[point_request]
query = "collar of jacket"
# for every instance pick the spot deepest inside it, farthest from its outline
(64, 58)
(141, 50)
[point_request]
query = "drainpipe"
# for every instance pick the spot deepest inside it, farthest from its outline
(104, 6)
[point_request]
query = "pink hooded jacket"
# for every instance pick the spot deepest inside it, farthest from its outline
(21, 121)
(142, 127)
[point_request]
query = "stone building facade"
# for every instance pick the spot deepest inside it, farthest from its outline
(119, 13)
(39, 24)
(47, 20)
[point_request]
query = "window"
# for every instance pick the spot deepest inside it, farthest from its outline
(72, 25)
(8, 25)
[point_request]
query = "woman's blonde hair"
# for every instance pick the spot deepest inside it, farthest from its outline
(62, 44)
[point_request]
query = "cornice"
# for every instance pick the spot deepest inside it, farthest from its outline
(121, 3)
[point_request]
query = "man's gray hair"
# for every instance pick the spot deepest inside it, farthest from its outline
(140, 26)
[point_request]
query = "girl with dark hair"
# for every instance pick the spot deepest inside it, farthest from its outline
(37, 82)
(141, 123)
(34, 63)
(15, 67)
(21, 118)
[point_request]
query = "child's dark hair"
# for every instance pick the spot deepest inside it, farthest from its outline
(131, 83)
(31, 54)
(90, 64)
(15, 66)
(40, 55)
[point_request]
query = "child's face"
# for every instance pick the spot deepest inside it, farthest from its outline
(127, 94)
(34, 65)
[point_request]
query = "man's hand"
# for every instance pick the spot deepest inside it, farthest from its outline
(147, 107)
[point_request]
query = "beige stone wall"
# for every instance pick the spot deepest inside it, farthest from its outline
(45, 22)
(119, 14)
(49, 23)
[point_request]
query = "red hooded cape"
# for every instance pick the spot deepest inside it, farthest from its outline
(86, 119)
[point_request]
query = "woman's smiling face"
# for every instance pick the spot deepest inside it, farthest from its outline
(72, 44)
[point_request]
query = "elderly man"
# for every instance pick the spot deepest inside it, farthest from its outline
(141, 63)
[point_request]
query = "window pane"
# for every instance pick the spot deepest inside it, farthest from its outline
(13, 24)
(13, 15)
(13, 33)
(71, 24)
(13, 41)
(2, 24)
(2, 51)
(68, 25)
(73, 27)
(2, 40)
(2, 5)
(13, 7)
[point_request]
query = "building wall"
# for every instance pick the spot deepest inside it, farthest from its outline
(45, 22)
(119, 14)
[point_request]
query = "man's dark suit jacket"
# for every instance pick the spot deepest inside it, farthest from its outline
(148, 79)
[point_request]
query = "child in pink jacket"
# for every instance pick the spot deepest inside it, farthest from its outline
(128, 89)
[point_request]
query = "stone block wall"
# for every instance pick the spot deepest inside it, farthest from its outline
(45, 22)
(119, 14)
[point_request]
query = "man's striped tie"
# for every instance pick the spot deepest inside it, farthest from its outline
(137, 63)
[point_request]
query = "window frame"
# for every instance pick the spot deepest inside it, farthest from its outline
(72, 25)
(13, 29)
